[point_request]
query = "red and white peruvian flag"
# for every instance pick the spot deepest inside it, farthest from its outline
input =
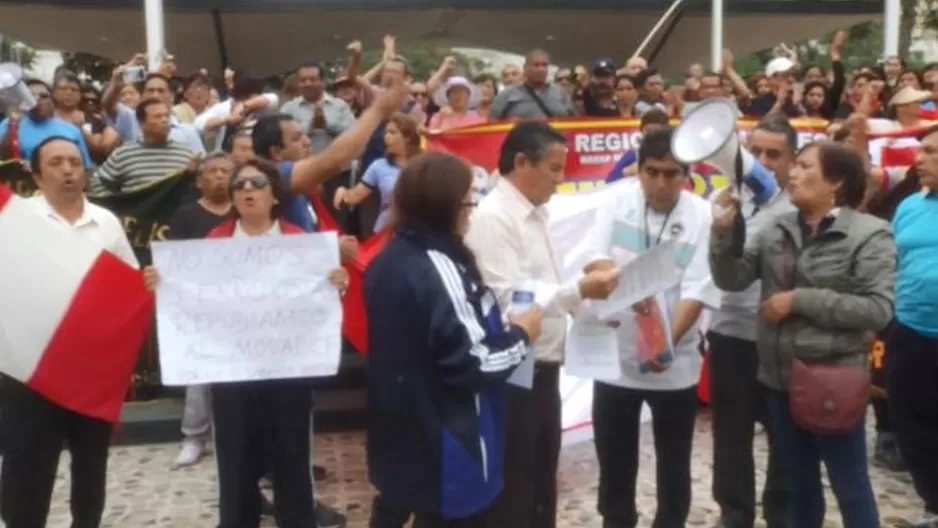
(72, 316)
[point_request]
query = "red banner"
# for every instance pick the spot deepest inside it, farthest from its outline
(595, 147)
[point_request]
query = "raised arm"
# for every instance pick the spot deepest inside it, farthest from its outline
(732, 269)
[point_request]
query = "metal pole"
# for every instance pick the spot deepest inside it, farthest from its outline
(891, 19)
(156, 39)
(657, 27)
(716, 35)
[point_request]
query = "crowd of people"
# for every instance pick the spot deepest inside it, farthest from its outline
(798, 287)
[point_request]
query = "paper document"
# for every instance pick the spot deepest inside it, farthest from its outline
(649, 273)
(592, 350)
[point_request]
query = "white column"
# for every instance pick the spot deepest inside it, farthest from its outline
(156, 39)
(716, 35)
(891, 17)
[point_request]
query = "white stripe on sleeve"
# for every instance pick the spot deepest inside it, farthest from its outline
(489, 361)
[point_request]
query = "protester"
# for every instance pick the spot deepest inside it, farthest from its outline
(456, 98)
(508, 235)
(439, 359)
(141, 163)
(912, 357)
(402, 142)
(20, 135)
(827, 281)
(36, 430)
(322, 116)
(533, 98)
(737, 399)
(195, 221)
(657, 338)
(279, 408)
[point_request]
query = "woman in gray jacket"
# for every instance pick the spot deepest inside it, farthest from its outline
(827, 275)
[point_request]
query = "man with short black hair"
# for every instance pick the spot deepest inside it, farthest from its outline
(509, 237)
(37, 429)
(657, 337)
(535, 97)
(148, 160)
(736, 397)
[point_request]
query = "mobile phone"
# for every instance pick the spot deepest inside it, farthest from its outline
(135, 74)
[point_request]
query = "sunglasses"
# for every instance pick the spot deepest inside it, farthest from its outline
(258, 182)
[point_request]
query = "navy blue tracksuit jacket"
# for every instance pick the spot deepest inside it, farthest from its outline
(438, 358)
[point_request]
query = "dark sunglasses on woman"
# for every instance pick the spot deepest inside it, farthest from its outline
(258, 182)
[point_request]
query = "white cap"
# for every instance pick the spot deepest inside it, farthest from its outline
(778, 65)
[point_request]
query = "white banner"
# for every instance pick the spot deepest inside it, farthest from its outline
(241, 309)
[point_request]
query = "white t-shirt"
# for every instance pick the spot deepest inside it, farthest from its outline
(96, 225)
(629, 225)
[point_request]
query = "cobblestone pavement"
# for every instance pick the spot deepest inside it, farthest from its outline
(144, 492)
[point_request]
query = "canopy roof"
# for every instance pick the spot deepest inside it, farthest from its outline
(272, 36)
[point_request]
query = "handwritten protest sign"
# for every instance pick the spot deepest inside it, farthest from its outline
(244, 309)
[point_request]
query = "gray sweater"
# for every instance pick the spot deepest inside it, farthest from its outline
(739, 310)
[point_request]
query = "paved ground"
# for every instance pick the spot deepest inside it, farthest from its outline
(144, 492)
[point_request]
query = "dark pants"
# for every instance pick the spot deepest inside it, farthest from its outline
(532, 449)
(844, 456)
(385, 516)
(912, 386)
(36, 430)
(881, 414)
(738, 402)
(616, 419)
(257, 424)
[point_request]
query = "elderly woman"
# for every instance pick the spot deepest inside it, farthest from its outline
(827, 275)
(252, 417)
(456, 99)
(439, 358)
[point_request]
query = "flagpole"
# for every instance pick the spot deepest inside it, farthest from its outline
(716, 35)
(156, 43)
(892, 14)
(657, 27)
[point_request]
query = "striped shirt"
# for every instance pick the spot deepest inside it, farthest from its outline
(135, 166)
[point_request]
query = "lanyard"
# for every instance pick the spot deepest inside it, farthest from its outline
(664, 224)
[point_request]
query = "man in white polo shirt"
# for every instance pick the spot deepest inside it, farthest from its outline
(657, 337)
(36, 429)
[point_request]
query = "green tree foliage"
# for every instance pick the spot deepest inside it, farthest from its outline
(13, 51)
(85, 64)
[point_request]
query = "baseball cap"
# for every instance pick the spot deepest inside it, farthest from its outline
(604, 66)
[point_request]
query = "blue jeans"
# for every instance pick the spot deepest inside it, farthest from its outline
(844, 456)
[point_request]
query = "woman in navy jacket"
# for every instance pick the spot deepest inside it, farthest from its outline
(438, 360)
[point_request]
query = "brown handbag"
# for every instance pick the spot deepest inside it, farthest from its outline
(824, 397)
(827, 398)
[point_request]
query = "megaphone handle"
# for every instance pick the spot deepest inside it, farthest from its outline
(739, 171)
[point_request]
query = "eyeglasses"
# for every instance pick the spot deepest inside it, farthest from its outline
(258, 182)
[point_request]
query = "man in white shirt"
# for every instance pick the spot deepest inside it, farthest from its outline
(657, 338)
(37, 428)
(736, 397)
(509, 237)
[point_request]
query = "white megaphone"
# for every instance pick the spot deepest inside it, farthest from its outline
(13, 91)
(708, 134)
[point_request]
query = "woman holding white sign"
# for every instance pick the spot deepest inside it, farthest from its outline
(257, 419)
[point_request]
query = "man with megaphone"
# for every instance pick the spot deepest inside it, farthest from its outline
(736, 396)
